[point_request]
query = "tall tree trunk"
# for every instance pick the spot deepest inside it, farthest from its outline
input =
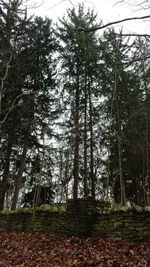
(85, 139)
(20, 172)
(136, 190)
(4, 181)
(77, 139)
(119, 139)
(92, 177)
(122, 186)
(66, 179)
(147, 180)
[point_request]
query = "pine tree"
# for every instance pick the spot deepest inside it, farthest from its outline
(79, 56)
(117, 83)
(12, 26)
(27, 92)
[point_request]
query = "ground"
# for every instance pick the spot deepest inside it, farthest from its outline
(45, 250)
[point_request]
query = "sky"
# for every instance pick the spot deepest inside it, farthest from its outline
(108, 11)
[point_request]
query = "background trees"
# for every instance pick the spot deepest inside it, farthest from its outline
(74, 110)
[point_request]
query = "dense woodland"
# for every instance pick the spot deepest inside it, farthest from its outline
(74, 110)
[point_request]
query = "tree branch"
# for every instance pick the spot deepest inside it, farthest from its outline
(133, 35)
(113, 23)
(3, 79)
(12, 107)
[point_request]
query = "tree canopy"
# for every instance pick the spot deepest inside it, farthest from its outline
(74, 110)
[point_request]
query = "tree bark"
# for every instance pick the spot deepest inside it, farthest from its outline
(4, 181)
(20, 172)
(77, 139)
(122, 186)
(92, 178)
(85, 139)
(119, 139)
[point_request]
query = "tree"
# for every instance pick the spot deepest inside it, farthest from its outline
(116, 84)
(39, 81)
(13, 22)
(28, 96)
(140, 120)
(79, 55)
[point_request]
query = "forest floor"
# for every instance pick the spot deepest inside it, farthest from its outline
(45, 250)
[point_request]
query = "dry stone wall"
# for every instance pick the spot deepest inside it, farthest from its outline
(82, 218)
(134, 226)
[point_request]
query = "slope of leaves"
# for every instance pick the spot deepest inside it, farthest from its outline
(45, 250)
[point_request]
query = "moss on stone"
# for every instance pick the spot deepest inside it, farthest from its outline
(126, 209)
(80, 219)
(41, 209)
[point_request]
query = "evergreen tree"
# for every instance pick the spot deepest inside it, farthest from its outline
(28, 97)
(79, 56)
(117, 84)
(13, 22)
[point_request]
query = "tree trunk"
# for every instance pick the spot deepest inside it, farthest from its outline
(92, 177)
(147, 165)
(136, 190)
(66, 179)
(122, 187)
(4, 181)
(119, 137)
(85, 140)
(20, 172)
(77, 140)
(147, 178)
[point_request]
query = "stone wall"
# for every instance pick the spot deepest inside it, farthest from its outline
(77, 220)
(54, 222)
(133, 226)
(82, 218)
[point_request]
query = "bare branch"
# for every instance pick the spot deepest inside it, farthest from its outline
(127, 64)
(14, 105)
(114, 22)
(119, 2)
(4, 78)
(55, 5)
(133, 35)
(140, 5)
(33, 5)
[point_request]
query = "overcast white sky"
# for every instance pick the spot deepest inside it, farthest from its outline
(107, 11)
